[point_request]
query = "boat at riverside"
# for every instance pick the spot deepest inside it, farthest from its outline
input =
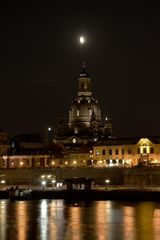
(85, 195)
(19, 193)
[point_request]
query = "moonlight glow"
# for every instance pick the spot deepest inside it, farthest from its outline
(82, 40)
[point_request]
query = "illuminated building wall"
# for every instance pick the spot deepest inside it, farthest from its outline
(142, 152)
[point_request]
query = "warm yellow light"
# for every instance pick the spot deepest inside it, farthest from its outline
(43, 183)
(74, 162)
(53, 162)
(82, 40)
(107, 180)
(3, 181)
(66, 163)
(21, 163)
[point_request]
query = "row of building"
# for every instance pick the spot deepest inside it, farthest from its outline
(30, 151)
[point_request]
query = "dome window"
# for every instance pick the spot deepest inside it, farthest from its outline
(78, 113)
(75, 130)
(90, 112)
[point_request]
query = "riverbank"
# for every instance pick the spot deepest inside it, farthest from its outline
(136, 176)
(88, 195)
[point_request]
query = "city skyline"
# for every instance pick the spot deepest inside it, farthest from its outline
(41, 59)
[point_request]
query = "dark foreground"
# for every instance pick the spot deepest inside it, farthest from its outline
(122, 195)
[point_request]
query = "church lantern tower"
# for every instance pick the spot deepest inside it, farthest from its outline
(83, 106)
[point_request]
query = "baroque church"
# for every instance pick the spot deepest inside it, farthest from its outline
(85, 124)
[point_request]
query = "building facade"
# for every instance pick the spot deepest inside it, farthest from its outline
(120, 153)
(127, 152)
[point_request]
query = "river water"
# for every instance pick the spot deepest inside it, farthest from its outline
(66, 220)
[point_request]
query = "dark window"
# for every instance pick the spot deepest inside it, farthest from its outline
(110, 151)
(144, 150)
(138, 150)
(129, 151)
(116, 151)
(95, 161)
(27, 162)
(122, 151)
(151, 150)
(120, 160)
(114, 161)
(48, 161)
(103, 152)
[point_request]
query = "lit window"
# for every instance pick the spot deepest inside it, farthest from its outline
(78, 113)
(90, 112)
(97, 152)
(76, 130)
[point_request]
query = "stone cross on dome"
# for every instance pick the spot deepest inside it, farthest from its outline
(84, 72)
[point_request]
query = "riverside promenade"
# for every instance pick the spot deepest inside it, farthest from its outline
(119, 194)
(136, 176)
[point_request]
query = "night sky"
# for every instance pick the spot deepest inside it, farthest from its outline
(41, 58)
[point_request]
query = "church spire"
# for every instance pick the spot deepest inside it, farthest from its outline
(84, 72)
(84, 84)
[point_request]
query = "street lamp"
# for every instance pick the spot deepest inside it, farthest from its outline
(43, 184)
(49, 129)
(107, 181)
(47, 180)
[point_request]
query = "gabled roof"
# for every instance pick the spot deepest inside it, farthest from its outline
(126, 140)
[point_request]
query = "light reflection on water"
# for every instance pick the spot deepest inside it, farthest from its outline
(66, 220)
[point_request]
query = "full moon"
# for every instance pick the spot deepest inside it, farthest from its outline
(82, 40)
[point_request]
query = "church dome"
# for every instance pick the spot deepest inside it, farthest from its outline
(83, 106)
